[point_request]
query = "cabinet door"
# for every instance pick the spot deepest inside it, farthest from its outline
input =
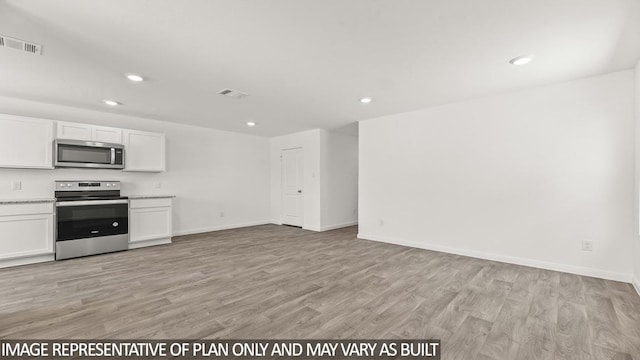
(26, 142)
(74, 131)
(150, 224)
(25, 235)
(144, 151)
(106, 134)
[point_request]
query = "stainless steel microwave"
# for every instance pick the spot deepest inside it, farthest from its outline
(88, 154)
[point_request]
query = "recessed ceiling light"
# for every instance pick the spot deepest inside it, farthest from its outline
(251, 123)
(134, 77)
(111, 102)
(366, 100)
(521, 60)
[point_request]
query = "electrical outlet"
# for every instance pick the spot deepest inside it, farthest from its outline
(16, 185)
(381, 222)
(587, 245)
(221, 213)
(354, 211)
(158, 184)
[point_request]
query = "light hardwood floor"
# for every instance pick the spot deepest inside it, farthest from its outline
(281, 282)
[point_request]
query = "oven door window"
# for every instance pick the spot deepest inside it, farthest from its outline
(78, 222)
(83, 154)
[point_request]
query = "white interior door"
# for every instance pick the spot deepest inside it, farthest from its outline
(292, 200)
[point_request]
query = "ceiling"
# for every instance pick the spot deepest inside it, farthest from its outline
(304, 63)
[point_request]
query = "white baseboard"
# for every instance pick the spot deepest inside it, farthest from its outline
(636, 284)
(313, 228)
(578, 270)
(153, 242)
(338, 226)
(220, 227)
(322, 228)
(27, 260)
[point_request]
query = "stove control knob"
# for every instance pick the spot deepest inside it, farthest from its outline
(113, 184)
(61, 185)
(108, 185)
(68, 185)
(115, 224)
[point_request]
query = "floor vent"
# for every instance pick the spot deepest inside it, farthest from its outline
(21, 45)
(233, 93)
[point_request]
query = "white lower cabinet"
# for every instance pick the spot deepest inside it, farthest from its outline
(26, 233)
(149, 222)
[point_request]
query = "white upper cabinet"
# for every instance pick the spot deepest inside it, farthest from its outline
(86, 132)
(106, 134)
(144, 151)
(74, 131)
(26, 142)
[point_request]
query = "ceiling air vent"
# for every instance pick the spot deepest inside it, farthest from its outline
(233, 93)
(21, 45)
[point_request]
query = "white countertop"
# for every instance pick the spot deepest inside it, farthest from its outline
(26, 201)
(134, 197)
(51, 200)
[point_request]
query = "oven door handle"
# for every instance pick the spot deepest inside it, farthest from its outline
(91, 202)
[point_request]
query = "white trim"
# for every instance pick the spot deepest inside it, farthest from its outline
(579, 270)
(26, 260)
(144, 243)
(312, 228)
(636, 284)
(220, 227)
(338, 226)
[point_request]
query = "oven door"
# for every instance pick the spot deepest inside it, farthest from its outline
(91, 218)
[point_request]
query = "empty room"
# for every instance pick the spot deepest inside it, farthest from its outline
(320, 179)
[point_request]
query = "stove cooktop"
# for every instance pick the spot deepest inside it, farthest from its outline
(87, 190)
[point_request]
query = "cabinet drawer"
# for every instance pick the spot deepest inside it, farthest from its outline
(26, 209)
(149, 203)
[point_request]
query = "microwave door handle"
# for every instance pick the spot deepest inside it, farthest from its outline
(113, 156)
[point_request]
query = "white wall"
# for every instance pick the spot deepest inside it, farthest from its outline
(520, 177)
(209, 171)
(309, 141)
(339, 180)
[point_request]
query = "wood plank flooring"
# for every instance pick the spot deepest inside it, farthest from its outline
(281, 282)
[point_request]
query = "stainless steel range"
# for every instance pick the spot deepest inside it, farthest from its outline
(91, 218)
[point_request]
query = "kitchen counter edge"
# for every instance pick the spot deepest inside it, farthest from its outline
(139, 197)
(25, 201)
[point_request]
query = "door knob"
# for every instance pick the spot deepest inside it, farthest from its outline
(299, 191)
